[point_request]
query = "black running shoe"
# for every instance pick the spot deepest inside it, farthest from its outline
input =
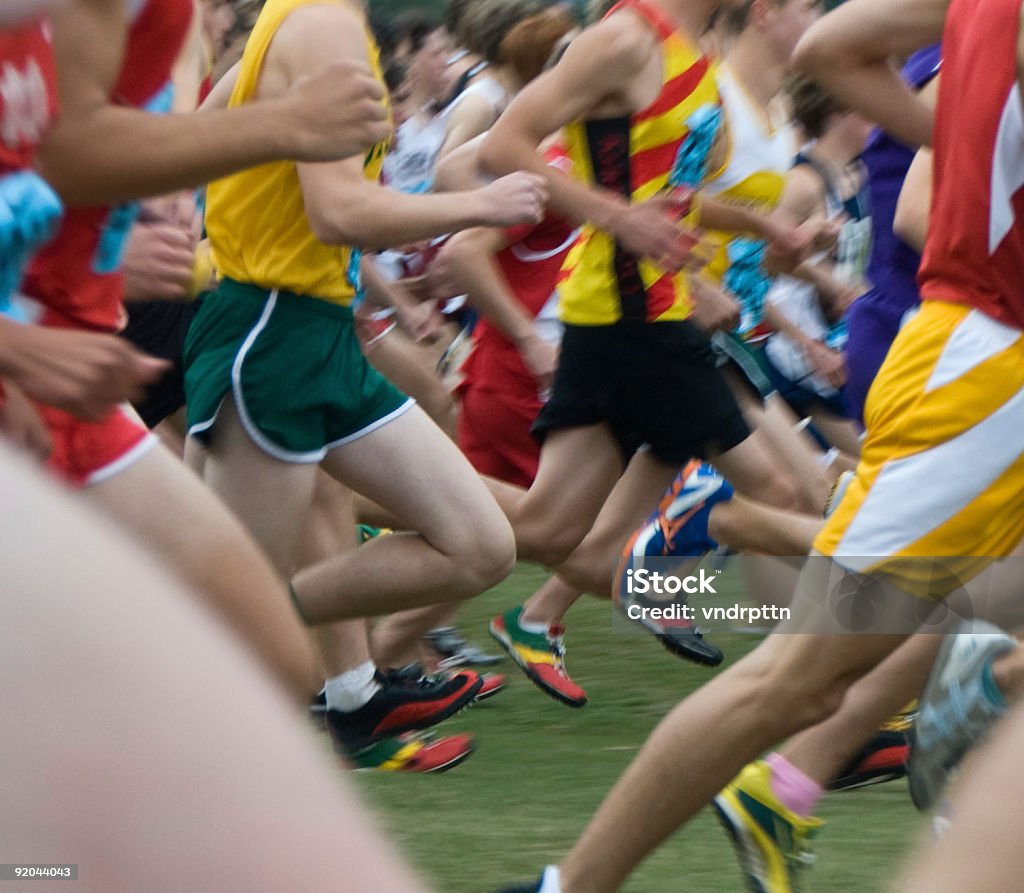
(884, 759)
(455, 651)
(402, 704)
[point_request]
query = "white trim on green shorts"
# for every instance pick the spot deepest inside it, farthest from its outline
(257, 436)
(373, 426)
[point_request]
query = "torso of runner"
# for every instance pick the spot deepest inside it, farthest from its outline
(975, 248)
(76, 277)
(29, 210)
(601, 284)
(754, 176)
(256, 219)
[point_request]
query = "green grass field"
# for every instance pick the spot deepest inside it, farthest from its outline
(541, 769)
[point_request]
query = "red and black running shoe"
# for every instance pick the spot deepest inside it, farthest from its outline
(884, 759)
(402, 704)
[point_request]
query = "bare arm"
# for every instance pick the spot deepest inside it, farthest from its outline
(220, 95)
(469, 119)
(460, 168)
(470, 256)
(825, 361)
(849, 52)
(344, 208)
(915, 202)
(98, 152)
(596, 71)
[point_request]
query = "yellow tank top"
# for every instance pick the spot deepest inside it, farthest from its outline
(601, 284)
(256, 219)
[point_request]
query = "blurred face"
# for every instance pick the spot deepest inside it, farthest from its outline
(790, 21)
(427, 67)
(218, 18)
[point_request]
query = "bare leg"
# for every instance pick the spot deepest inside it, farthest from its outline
(135, 665)
(840, 432)
(164, 505)
(578, 469)
(750, 468)
(770, 580)
(396, 639)
(592, 564)
(343, 645)
(789, 683)
(462, 546)
(822, 751)
(747, 526)
(796, 455)
(410, 367)
(982, 850)
(270, 496)
(550, 603)
(799, 452)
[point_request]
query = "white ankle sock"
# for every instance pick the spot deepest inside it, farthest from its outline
(549, 880)
(351, 690)
(534, 626)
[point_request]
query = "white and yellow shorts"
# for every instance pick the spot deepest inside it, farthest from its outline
(939, 492)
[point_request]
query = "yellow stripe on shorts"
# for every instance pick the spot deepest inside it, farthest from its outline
(941, 474)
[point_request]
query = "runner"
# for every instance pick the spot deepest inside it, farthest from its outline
(101, 149)
(282, 238)
(971, 305)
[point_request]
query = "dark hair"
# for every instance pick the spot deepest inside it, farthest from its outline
(395, 74)
(529, 45)
(454, 14)
(737, 19)
(415, 28)
(490, 21)
(385, 34)
(813, 107)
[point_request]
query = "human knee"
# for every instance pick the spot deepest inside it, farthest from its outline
(781, 490)
(546, 547)
(545, 539)
(487, 553)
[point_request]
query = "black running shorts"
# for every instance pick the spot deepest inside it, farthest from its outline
(651, 383)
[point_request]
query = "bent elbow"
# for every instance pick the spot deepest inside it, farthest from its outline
(492, 158)
(330, 229)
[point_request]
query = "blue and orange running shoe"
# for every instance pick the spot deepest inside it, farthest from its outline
(677, 529)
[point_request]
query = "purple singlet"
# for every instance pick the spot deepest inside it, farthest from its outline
(874, 319)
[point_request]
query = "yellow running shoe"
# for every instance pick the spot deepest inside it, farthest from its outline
(770, 840)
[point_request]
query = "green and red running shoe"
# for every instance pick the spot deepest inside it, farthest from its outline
(541, 656)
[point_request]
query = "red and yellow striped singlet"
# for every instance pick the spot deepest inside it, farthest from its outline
(601, 284)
